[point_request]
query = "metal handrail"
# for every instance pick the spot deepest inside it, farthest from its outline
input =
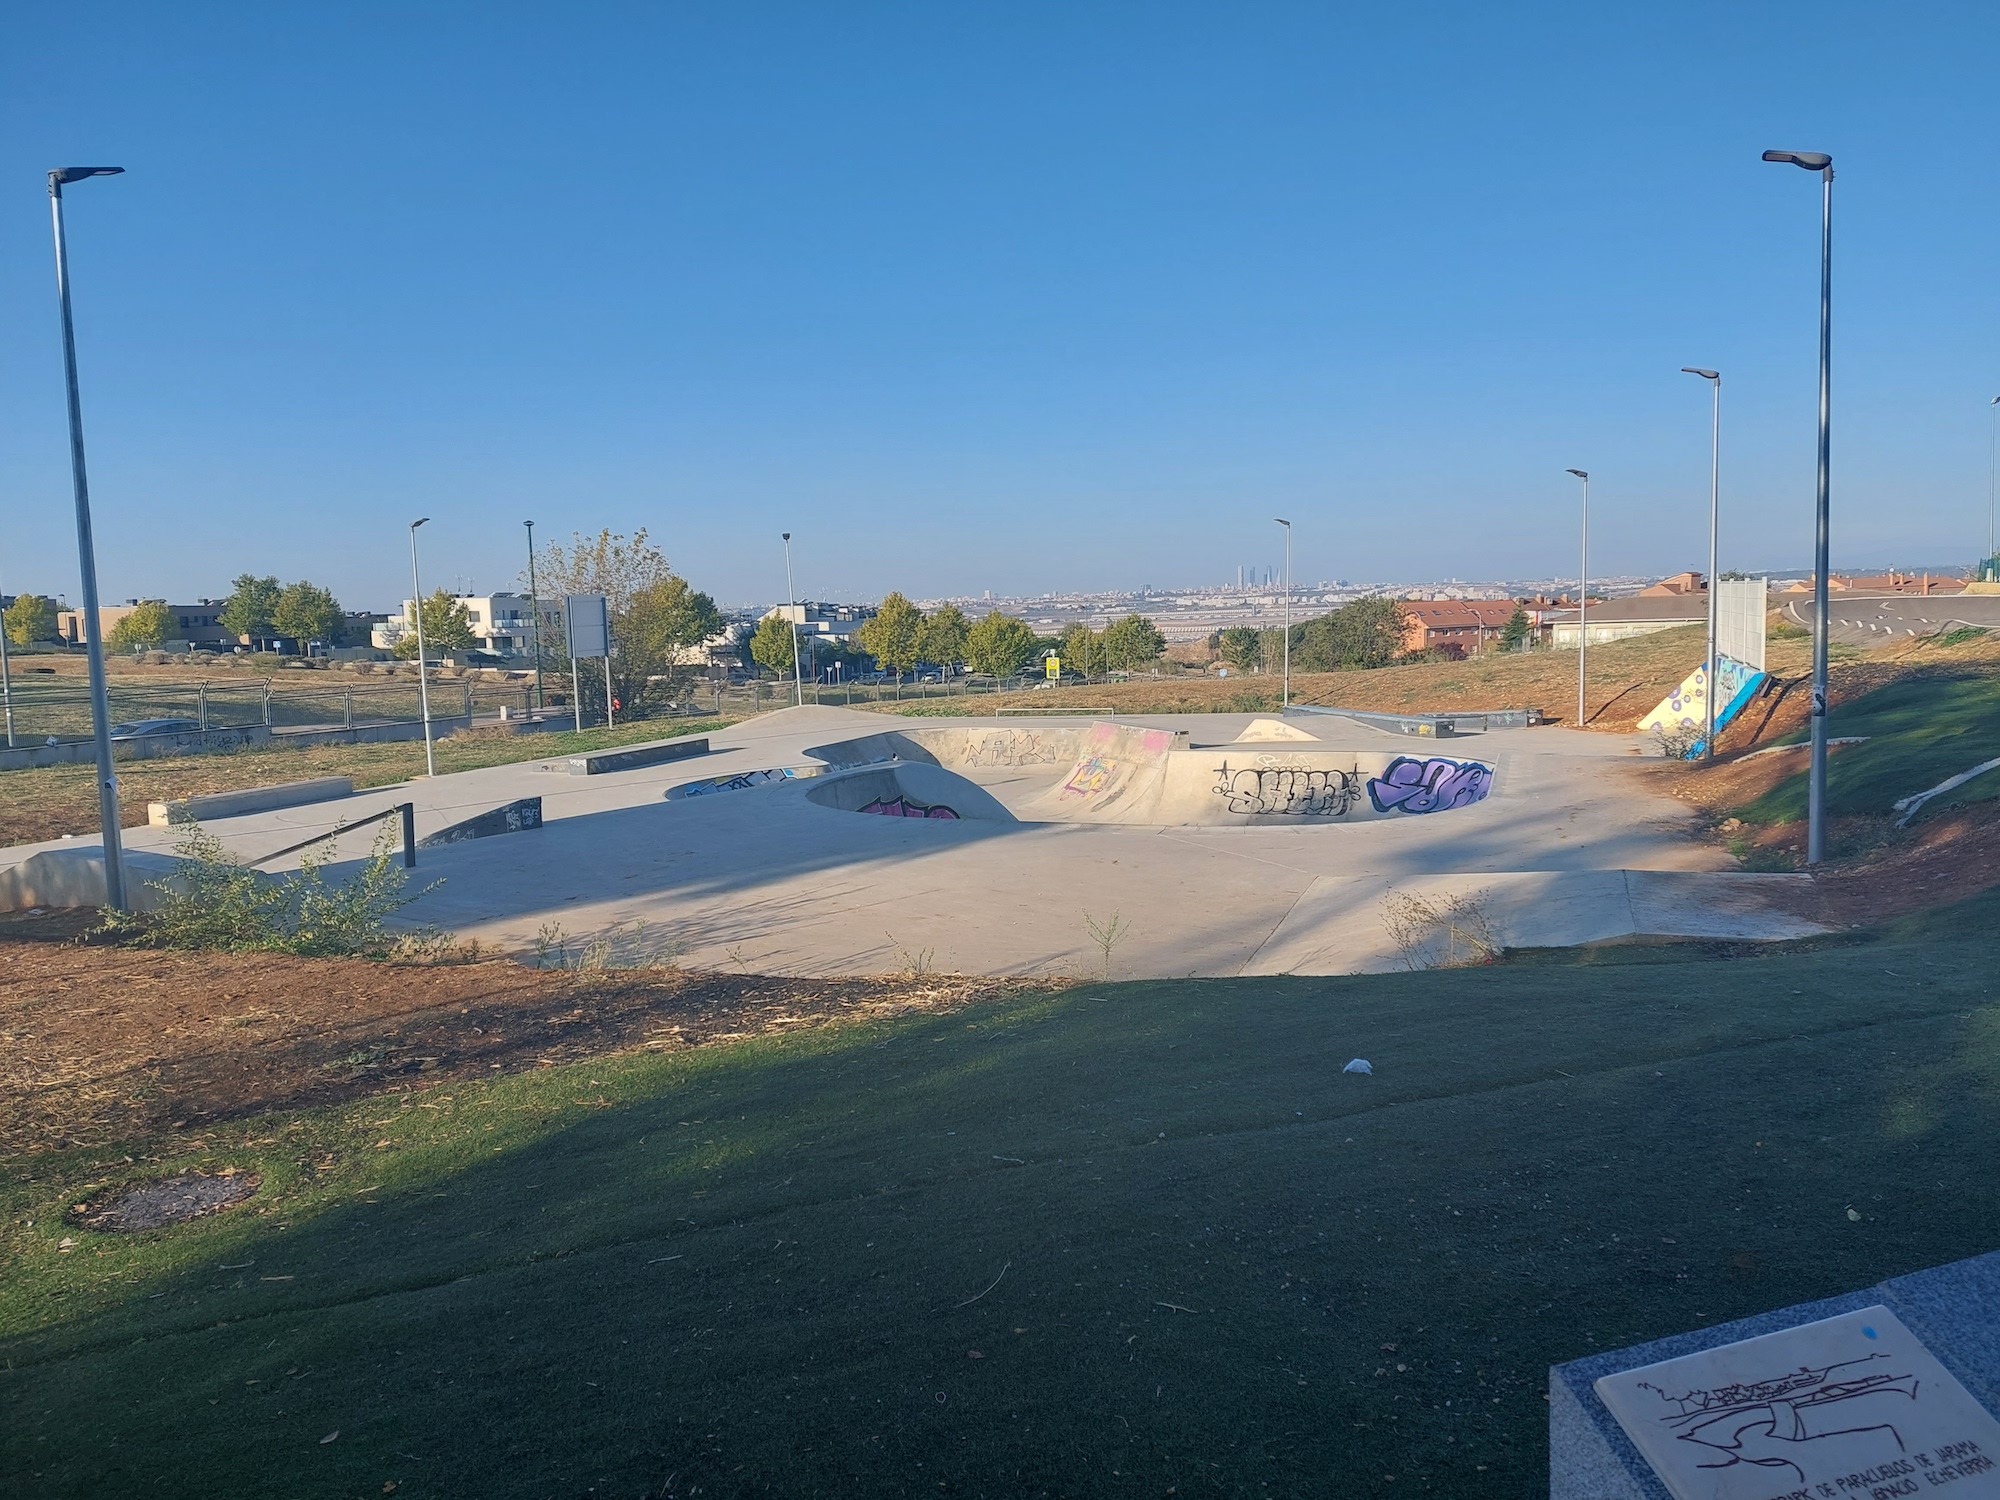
(407, 809)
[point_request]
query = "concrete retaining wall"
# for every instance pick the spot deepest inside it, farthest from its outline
(57, 878)
(635, 757)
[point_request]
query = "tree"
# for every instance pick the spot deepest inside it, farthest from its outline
(30, 618)
(306, 612)
(894, 637)
(607, 564)
(1131, 642)
(771, 646)
(655, 645)
(1081, 648)
(1000, 645)
(942, 640)
(148, 627)
(1242, 648)
(447, 627)
(1515, 633)
(1362, 633)
(251, 603)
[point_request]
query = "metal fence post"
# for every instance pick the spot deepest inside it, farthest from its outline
(409, 811)
(347, 708)
(201, 705)
(468, 702)
(267, 703)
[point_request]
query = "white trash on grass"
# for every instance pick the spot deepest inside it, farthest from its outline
(1359, 1065)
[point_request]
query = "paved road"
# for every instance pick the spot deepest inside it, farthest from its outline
(1871, 619)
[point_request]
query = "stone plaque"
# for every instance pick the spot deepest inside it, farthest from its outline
(1852, 1408)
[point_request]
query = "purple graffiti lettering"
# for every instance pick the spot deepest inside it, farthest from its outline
(907, 807)
(1426, 786)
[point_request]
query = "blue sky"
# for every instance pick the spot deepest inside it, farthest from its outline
(1006, 297)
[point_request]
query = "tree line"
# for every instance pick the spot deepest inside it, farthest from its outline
(1361, 634)
(257, 609)
(900, 637)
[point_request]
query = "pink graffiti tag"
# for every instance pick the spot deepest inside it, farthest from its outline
(905, 807)
(1426, 786)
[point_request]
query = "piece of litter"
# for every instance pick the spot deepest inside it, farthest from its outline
(662, 1260)
(1855, 1217)
(1359, 1065)
(330, 1436)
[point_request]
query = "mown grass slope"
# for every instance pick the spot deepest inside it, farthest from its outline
(1122, 1240)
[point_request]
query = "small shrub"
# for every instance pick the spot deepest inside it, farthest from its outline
(1678, 742)
(1452, 932)
(212, 903)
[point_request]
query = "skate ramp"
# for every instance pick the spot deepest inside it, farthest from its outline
(1261, 730)
(909, 790)
(1003, 747)
(1117, 777)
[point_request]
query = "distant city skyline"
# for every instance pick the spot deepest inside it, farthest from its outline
(1043, 299)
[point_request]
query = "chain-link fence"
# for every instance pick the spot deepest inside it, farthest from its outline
(45, 712)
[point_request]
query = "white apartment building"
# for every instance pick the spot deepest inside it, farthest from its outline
(502, 623)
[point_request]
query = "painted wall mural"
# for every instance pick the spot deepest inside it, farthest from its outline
(907, 807)
(1429, 784)
(1015, 747)
(741, 781)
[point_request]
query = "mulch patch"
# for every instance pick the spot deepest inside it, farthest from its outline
(102, 1043)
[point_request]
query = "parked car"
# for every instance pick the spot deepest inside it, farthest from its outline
(139, 728)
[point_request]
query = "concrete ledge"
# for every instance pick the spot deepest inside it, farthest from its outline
(256, 799)
(75, 877)
(636, 757)
(1433, 726)
(513, 818)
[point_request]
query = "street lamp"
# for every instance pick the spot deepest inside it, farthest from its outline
(423, 675)
(1582, 596)
(792, 599)
(1992, 439)
(1820, 162)
(86, 551)
(1714, 501)
(535, 613)
(1288, 608)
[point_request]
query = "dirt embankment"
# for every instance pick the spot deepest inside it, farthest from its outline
(105, 1043)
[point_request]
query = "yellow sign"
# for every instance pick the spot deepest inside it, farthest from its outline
(1055, 667)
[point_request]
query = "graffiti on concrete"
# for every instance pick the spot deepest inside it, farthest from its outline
(1288, 791)
(1432, 784)
(908, 807)
(1014, 747)
(741, 781)
(1092, 775)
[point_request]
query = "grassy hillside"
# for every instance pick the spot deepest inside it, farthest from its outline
(1120, 1240)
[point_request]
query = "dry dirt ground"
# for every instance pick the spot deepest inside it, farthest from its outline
(104, 1043)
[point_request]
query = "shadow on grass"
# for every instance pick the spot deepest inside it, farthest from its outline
(1106, 1242)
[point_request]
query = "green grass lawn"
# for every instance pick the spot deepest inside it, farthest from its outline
(1137, 1239)
(1921, 730)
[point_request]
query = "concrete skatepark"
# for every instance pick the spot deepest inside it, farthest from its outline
(831, 841)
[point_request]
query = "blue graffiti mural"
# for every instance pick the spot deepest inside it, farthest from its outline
(1432, 784)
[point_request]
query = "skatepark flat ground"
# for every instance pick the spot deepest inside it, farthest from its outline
(1569, 847)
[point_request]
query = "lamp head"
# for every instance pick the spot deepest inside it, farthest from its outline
(1704, 374)
(1282, 522)
(1577, 472)
(63, 175)
(1812, 161)
(418, 522)
(786, 535)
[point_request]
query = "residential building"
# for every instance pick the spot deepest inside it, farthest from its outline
(1892, 582)
(199, 624)
(1454, 627)
(1621, 619)
(824, 621)
(501, 623)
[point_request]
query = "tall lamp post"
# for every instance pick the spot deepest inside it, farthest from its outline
(1992, 470)
(792, 599)
(86, 551)
(1714, 509)
(1820, 162)
(1288, 608)
(535, 614)
(1582, 598)
(423, 670)
(6, 676)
